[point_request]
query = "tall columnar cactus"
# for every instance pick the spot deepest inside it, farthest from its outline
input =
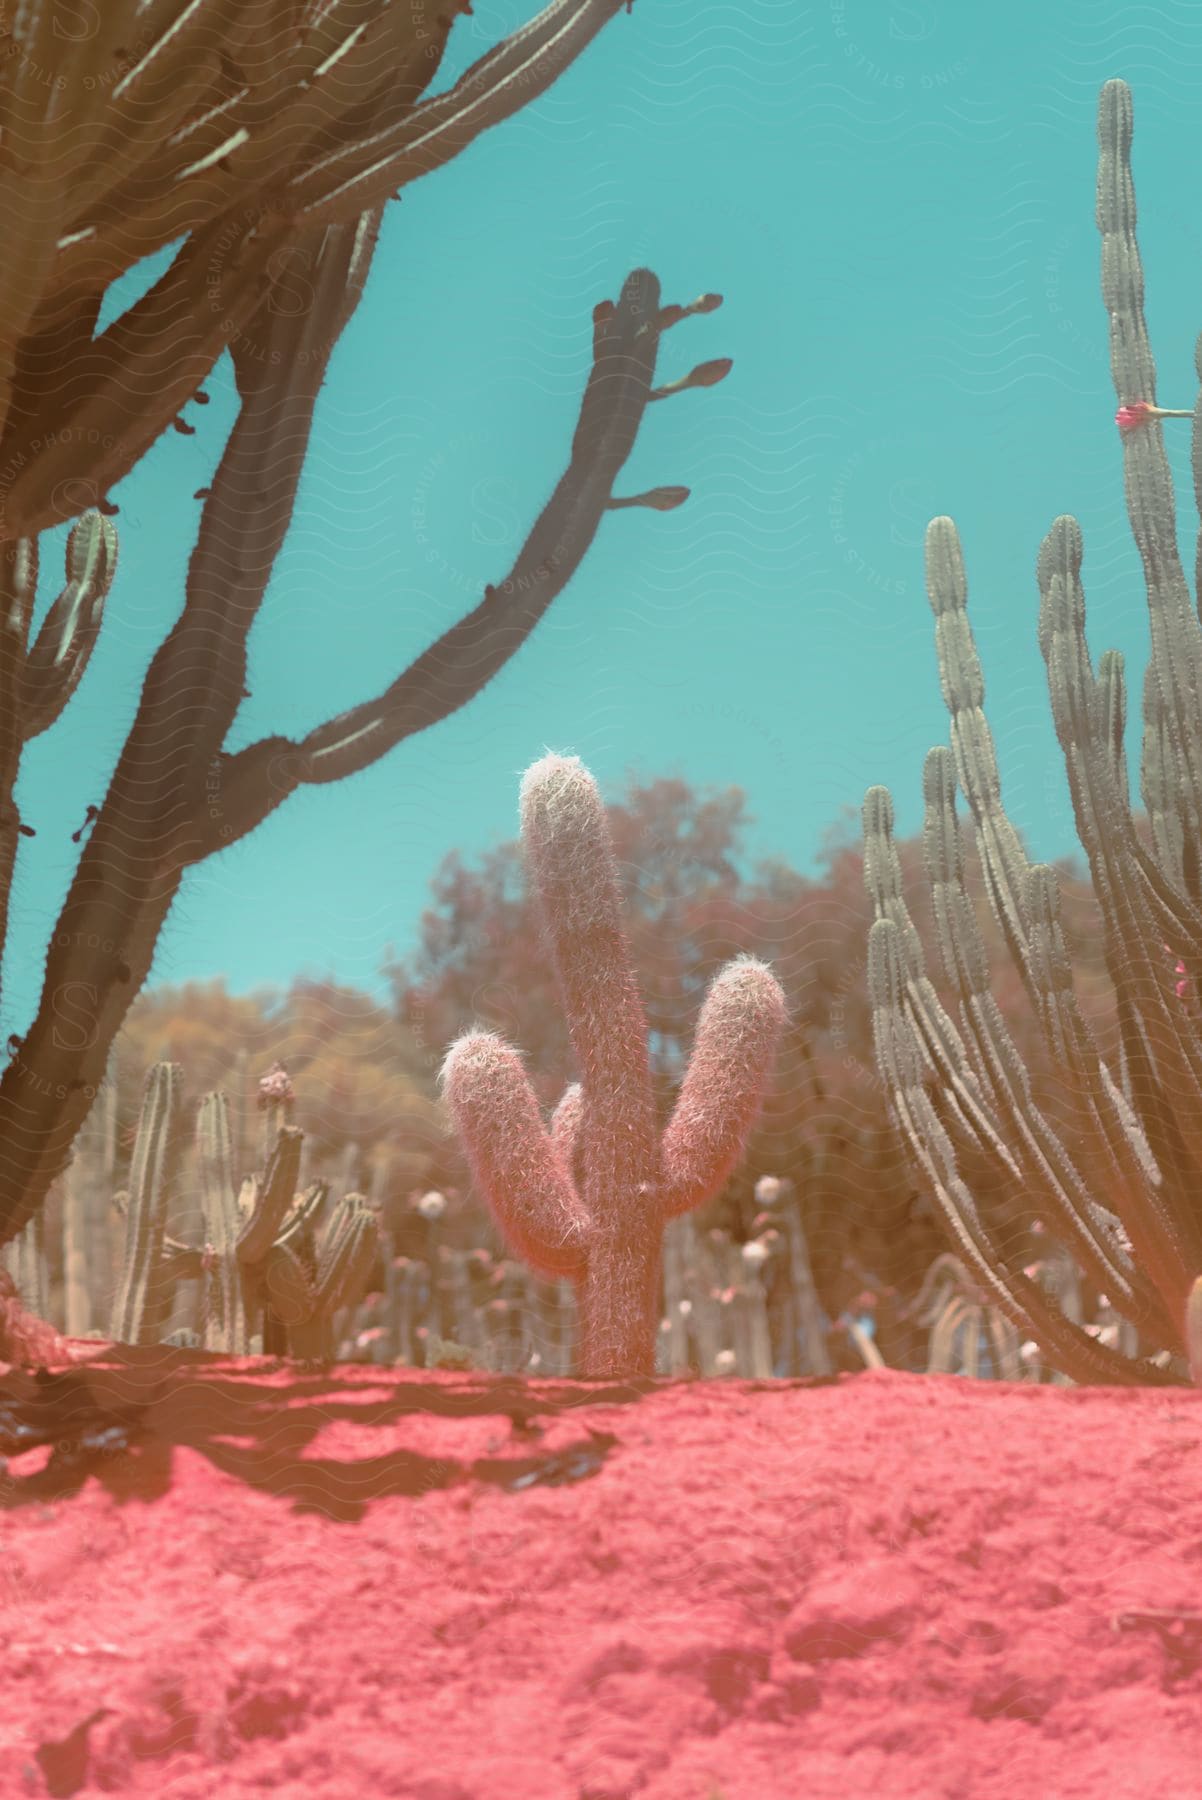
(1117, 1185)
(589, 1197)
(142, 1292)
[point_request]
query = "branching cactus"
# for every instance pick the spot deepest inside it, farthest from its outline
(268, 1279)
(589, 1197)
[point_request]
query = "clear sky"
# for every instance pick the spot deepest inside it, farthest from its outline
(897, 202)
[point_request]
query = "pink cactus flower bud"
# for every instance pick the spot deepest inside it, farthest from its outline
(1137, 413)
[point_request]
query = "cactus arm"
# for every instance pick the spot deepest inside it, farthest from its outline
(323, 127)
(18, 592)
(504, 80)
(287, 1285)
(223, 1306)
(271, 1196)
(254, 781)
(122, 392)
(1175, 663)
(570, 858)
(1003, 860)
(138, 1303)
(59, 655)
(734, 1050)
(514, 1162)
(350, 1245)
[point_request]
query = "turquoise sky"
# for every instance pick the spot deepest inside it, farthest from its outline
(897, 202)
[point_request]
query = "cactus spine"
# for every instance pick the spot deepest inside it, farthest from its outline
(589, 1198)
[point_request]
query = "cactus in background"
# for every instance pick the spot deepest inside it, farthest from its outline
(1118, 1189)
(267, 1280)
(589, 1198)
(142, 1292)
(88, 1190)
(240, 1226)
(958, 1321)
(25, 1261)
(269, 1283)
(806, 1330)
(341, 1263)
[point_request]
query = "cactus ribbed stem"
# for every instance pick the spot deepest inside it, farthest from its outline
(140, 1301)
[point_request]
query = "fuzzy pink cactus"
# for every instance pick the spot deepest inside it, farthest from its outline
(588, 1198)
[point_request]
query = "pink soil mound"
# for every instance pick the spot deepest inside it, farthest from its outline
(357, 1582)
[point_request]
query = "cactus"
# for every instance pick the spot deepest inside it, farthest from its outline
(267, 1281)
(178, 795)
(140, 1301)
(141, 136)
(1118, 1189)
(958, 1321)
(88, 1190)
(58, 656)
(285, 148)
(807, 1324)
(224, 1323)
(25, 1261)
(590, 1197)
(345, 1254)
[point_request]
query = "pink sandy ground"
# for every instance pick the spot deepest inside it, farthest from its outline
(357, 1582)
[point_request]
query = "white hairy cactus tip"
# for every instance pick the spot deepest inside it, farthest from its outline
(470, 1051)
(568, 847)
